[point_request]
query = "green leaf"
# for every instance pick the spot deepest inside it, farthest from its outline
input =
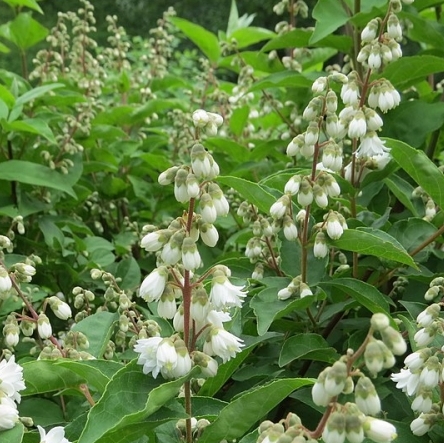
(33, 126)
(34, 174)
(297, 38)
(98, 329)
(238, 120)
(328, 16)
(42, 376)
(406, 71)
(42, 411)
(251, 35)
(411, 233)
(308, 347)
(365, 294)
(129, 271)
(370, 241)
(32, 4)
(424, 31)
(420, 168)
(37, 92)
(14, 435)
(402, 191)
(252, 192)
(233, 150)
(267, 307)
(95, 372)
(226, 370)
(248, 409)
(129, 397)
(24, 31)
(287, 79)
(206, 41)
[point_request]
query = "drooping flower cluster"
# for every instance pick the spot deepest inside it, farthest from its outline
(350, 421)
(180, 294)
(424, 369)
(353, 420)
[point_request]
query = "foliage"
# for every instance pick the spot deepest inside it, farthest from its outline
(331, 234)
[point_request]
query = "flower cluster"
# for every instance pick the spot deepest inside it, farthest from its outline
(180, 294)
(353, 420)
(423, 374)
(11, 382)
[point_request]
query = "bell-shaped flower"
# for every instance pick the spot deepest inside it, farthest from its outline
(154, 284)
(190, 255)
(147, 348)
(224, 294)
(222, 343)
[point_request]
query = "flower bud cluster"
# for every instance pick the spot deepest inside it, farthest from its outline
(424, 369)
(296, 289)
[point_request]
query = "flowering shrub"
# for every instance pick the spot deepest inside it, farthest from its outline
(225, 243)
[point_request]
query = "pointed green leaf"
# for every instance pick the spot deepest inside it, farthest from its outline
(33, 126)
(252, 192)
(35, 174)
(206, 41)
(37, 92)
(14, 435)
(370, 241)
(365, 294)
(95, 372)
(43, 376)
(329, 16)
(308, 347)
(402, 191)
(130, 397)
(248, 409)
(420, 168)
(25, 32)
(98, 329)
(418, 67)
(31, 4)
(251, 35)
(233, 18)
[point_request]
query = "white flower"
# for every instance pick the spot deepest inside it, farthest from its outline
(406, 380)
(155, 240)
(394, 29)
(279, 208)
(9, 416)
(285, 293)
(371, 145)
(223, 344)
(423, 401)
(224, 294)
(167, 177)
(154, 284)
(424, 336)
(334, 227)
(167, 307)
(209, 234)
(369, 32)
(11, 378)
(357, 126)
(430, 373)
(350, 94)
(319, 395)
(44, 326)
(171, 253)
(374, 59)
(207, 208)
(166, 356)
(292, 186)
(183, 365)
(190, 255)
(147, 348)
(178, 320)
(320, 248)
(55, 435)
(419, 426)
(415, 360)
(61, 309)
(5, 280)
(200, 118)
(319, 85)
(426, 317)
(379, 431)
(366, 397)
